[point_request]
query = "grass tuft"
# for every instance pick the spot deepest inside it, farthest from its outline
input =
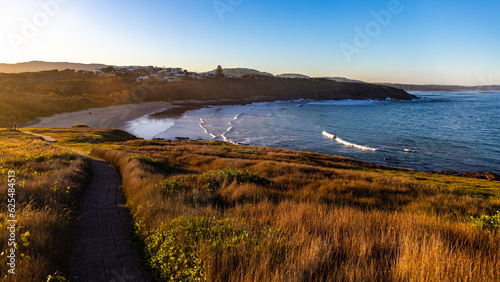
(80, 125)
(490, 223)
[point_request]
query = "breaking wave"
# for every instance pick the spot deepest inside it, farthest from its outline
(349, 144)
(202, 122)
(214, 134)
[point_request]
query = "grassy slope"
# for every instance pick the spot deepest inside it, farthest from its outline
(218, 212)
(215, 211)
(49, 183)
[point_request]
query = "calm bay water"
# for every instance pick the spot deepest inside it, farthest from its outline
(441, 131)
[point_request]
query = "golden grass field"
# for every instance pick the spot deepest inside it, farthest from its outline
(48, 184)
(219, 212)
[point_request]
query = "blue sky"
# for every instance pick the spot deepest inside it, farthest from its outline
(405, 41)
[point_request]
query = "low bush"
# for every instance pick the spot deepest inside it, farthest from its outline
(151, 162)
(80, 125)
(490, 223)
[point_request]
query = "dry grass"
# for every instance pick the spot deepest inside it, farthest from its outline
(49, 183)
(217, 212)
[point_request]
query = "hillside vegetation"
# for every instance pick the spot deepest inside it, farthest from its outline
(219, 212)
(26, 96)
(48, 182)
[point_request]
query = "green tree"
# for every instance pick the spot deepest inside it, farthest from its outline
(218, 72)
(108, 69)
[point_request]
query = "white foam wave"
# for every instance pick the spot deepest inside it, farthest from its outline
(223, 135)
(205, 126)
(349, 144)
(202, 121)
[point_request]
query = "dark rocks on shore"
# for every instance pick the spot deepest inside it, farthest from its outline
(478, 175)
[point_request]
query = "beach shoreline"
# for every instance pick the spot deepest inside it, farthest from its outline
(114, 116)
(119, 116)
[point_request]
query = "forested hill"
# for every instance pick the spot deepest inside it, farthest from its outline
(26, 96)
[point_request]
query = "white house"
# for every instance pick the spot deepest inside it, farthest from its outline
(141, 78)
(171, 78)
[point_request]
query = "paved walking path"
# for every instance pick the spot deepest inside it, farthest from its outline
(104, 251)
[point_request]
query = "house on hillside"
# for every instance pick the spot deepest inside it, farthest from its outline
(100, 72)
(141, 78)
(171, 78)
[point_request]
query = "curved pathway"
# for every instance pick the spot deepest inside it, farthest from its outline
(103, 249)
(46, 138)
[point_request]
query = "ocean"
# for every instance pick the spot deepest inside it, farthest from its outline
(457, 131)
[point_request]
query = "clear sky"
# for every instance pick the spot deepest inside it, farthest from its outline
(405, 41)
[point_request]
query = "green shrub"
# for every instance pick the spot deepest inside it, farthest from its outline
(210, 181)
(170, 187)
(215, 179)
(487, 223)
(173, 250)
(151, 162)
(80, 125)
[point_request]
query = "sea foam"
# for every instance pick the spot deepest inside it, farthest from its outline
(349, 144)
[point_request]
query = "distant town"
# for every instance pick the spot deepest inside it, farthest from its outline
(143, 73)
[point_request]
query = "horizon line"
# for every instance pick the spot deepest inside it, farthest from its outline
(292, 73)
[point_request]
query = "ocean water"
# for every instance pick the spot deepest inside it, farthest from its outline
(441, 131)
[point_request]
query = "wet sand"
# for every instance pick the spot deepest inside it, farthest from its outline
(119, 116)
(114, 117)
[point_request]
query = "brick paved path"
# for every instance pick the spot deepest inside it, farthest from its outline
(103, 251)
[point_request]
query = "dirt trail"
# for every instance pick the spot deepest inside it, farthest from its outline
(46, 138)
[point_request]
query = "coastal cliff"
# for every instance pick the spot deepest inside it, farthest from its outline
(27, 96)
(257, 88)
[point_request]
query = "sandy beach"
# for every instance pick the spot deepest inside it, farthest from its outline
(115, 116)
